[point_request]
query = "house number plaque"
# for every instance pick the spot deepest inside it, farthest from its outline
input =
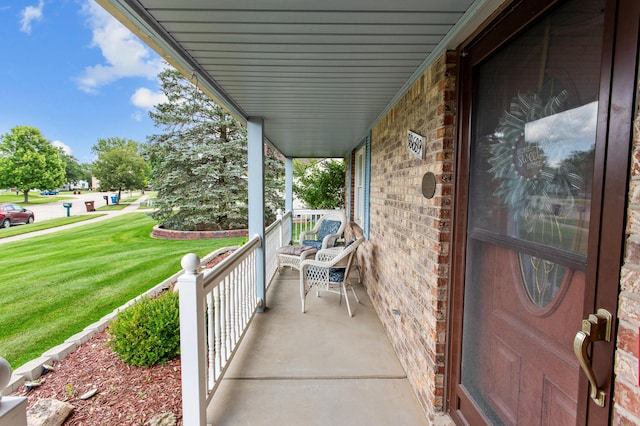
(415, 144)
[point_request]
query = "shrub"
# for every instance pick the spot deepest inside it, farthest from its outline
(148, 333)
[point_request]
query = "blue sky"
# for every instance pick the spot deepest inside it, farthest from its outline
(72, 71)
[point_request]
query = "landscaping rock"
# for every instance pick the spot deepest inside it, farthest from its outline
(89, 394)
(48, 412)
(164, 419)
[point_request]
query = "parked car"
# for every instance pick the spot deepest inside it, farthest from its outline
(11, 214)
(49, 192)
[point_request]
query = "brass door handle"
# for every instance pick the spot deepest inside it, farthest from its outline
(596, 327)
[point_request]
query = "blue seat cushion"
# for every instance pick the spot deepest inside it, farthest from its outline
(328, 227)
(336, 275)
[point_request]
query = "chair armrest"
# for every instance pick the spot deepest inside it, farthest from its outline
(304, 235)
(313, 262)
(330, 240)
(326, 255)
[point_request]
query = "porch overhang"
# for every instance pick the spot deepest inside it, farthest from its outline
(320, 74)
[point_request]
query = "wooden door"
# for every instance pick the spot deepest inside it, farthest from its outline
(535, 158)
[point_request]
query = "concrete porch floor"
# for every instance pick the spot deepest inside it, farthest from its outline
(317, 368)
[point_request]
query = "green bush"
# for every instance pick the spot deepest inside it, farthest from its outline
(148, 333)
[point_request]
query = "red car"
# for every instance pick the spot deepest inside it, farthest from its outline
(10, 214)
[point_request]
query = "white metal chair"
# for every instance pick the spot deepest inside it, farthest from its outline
(326, 231)
(329, 272)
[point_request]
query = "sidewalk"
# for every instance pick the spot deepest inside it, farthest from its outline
(57, 205)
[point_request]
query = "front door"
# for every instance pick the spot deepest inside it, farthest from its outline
(535, 142)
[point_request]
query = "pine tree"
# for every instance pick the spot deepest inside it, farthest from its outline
(199, 161)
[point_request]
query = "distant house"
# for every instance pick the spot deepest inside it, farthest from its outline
(81, 184)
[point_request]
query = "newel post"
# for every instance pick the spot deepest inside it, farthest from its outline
(280, 227)
(13, 410)
(193, 348)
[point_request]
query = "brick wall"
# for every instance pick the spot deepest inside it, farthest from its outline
(406, 261)
(627, 391)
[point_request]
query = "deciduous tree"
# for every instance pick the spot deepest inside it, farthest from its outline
(29, 161)
(119, 165)
(74, 171)
(320, 185)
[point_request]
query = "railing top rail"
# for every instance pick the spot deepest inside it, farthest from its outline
(223, 268)
(311, 211)
(272, 226)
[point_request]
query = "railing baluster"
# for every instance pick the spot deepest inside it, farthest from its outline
(218, 338)
(227, 321)
(234, 307)
(211, 341)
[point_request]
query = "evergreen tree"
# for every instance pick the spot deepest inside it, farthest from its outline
(199, 162)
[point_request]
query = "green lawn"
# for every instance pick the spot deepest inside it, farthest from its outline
(120, 206)
(53, 286)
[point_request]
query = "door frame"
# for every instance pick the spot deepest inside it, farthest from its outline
(619, 66)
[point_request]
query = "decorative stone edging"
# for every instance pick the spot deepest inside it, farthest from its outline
(33, 369)
(170, 234)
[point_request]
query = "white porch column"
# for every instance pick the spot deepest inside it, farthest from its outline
(288, 186)
(255, 147)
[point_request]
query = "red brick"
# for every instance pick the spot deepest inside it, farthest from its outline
(628, 339)
(627, 398)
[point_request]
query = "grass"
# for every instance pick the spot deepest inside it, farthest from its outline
(45, 224)
(120, 206)
(53, 286)
(34, 198)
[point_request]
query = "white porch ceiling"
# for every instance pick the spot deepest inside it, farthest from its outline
(320, 73)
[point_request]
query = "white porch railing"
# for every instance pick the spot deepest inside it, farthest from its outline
(278, 234)
(217, 306)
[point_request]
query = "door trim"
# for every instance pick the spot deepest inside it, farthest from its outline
(607, 235)
(620, 64)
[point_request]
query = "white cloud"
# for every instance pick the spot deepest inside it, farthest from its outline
(30, 14)
(59, 144)
(125, 55)
(146, 99)
(137, 116)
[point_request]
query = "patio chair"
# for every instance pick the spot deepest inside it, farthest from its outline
(327, 230)
(329, 272)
